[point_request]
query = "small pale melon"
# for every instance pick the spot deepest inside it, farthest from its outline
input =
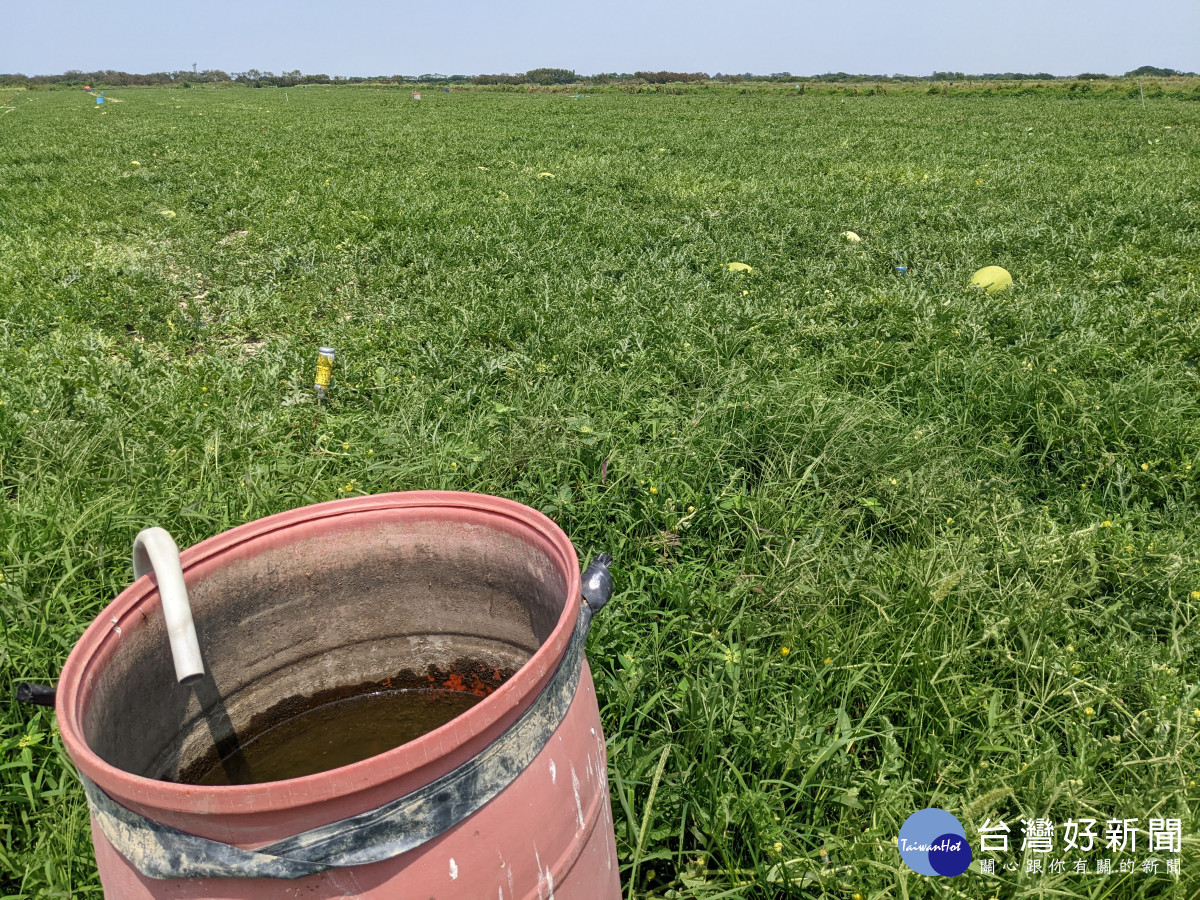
(993, 279)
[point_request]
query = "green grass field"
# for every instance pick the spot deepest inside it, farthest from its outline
(881, 542)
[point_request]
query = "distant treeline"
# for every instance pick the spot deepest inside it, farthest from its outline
(544, 77)
(568, 76)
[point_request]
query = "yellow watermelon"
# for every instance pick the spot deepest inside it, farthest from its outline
(992, 279)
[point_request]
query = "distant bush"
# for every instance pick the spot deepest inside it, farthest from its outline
(1154, 72)
(670, 77)
(1013, 76)
(505, 78)
(543, 77)
(551, 76)
(114, 78)
(611, 77)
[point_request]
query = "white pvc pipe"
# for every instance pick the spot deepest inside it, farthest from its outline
(154, 550)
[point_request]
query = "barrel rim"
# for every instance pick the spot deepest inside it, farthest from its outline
(506, 702)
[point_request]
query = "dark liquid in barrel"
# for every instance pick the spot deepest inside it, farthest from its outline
(337, 734)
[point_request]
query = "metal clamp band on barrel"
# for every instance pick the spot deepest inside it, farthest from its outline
(158, 851)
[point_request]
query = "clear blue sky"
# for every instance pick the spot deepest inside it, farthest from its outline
(375, 37)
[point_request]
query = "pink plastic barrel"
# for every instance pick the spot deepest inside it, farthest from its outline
(348, 591)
